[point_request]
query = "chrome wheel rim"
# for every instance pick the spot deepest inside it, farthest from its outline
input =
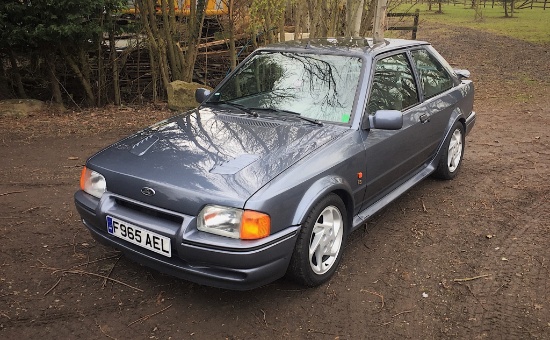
(455, 150)
(326, 240)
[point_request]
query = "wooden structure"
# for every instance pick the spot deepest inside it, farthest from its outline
(413, 28)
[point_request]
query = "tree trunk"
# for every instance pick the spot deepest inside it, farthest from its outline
(268, 26)
(54, 83)
(232, 51)
(298, 13)
(355, 13)
(312, 18)
(4, 88)
(85, 65)
(368, 18)
(380, 21)
(163, 65)
(196, 19)
(322, 20)
(282, 27)
(149, 23)
(160, 46)
(505, 2)
(90, 97)
(101, 80)
(114, 68)
(16, 75)
(168, 28)
(478, 12)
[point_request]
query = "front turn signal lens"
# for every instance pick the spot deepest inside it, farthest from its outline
(255, 225)
(83, 177)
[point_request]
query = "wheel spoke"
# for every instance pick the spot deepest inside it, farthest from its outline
(314, 246)
(452, 144)
(328, 218)
(331, 252)
(319, 258)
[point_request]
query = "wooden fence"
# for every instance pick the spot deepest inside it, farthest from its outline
(413, 28)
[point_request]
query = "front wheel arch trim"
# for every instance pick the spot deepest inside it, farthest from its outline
(456, 117)
(317, 191)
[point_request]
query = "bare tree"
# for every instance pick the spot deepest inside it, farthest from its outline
(354, 15)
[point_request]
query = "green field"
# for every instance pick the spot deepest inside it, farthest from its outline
(527, 24)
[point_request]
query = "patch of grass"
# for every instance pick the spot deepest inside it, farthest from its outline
(527, 80)
(531, 25)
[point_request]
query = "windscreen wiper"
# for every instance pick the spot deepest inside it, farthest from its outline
(238, 106)
(307, 119)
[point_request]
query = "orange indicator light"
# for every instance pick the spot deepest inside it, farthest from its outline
(83, 178)
(255, 225)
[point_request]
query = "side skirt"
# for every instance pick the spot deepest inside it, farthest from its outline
(362, 216)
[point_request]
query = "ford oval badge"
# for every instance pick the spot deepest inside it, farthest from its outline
(148, 191)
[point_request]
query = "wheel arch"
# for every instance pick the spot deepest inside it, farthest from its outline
(456, 116)
(346, 197)
(320, 189)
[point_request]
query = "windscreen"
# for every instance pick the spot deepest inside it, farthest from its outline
(316, 86)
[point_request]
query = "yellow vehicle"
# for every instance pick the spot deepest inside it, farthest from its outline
(213, 7)
(182, 8)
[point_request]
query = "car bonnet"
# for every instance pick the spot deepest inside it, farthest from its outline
(207, 157)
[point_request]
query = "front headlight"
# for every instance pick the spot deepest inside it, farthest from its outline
(234, 223)
(92, 182)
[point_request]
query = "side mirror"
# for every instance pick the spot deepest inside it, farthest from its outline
(462, 74)
(201, 94)
(384, 120)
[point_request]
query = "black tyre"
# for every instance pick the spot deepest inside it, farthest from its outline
(320, 243)
(453, 150)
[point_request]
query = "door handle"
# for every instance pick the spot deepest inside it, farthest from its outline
(424, 118)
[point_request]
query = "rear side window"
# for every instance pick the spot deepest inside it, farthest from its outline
(393, 86)
(433, 76)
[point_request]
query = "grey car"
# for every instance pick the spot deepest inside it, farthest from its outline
(294, 150)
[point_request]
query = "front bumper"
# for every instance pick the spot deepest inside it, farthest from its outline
(196, 256)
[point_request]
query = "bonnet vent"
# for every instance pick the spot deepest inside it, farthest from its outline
(246, 121)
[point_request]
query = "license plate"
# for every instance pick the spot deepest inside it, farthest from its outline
(139, 236)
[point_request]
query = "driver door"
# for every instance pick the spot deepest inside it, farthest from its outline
(393, 155)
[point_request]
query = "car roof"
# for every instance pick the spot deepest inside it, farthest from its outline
(344, 45)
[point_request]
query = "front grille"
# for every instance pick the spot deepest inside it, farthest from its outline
(148, 211)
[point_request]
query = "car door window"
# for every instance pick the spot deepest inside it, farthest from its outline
(393, 85)
(433, 76)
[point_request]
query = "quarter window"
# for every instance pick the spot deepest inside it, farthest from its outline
(393, 85)
(433, 76)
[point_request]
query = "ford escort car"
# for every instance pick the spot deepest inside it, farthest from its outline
(295, 149)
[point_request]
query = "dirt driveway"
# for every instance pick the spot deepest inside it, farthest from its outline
(465, 259)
